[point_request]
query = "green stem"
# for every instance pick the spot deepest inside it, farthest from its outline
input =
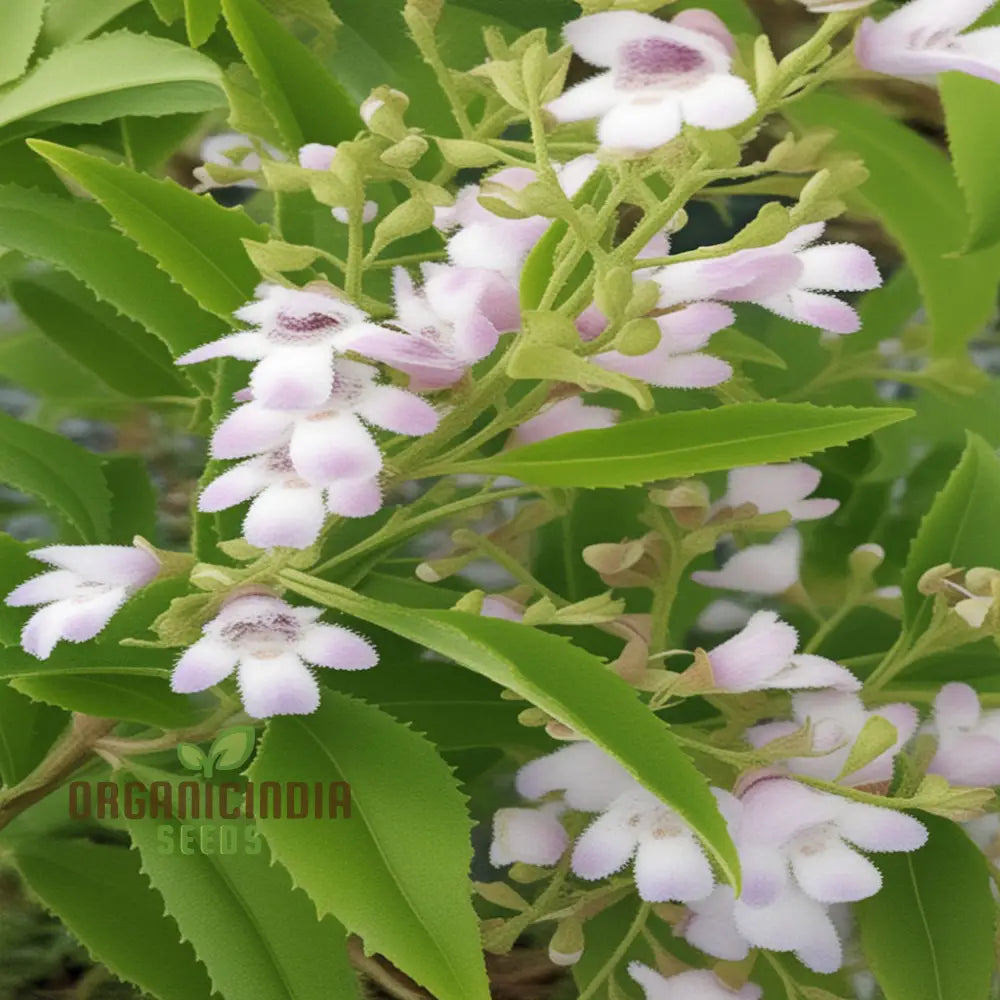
(607, 970)
(504, 559)
(830, 624)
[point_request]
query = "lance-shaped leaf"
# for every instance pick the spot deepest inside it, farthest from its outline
(60, 474)
(928, 932)
(257, 935)
(192, 237)
(396, 871)
(306, 102)
(569, 683)
(686, 443)
(112, 76)
(98, 891)
(27, 731)
(21, 25)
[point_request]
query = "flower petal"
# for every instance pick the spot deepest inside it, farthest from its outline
(605, 847)
(337, 647)
(334, 446)
(712, 929)
(203, 665)
(591, 779)
(287, 516)
(249, 430)
(354, 497)
(758, 569)
(294, 377)
(763, 648)
(875, 828)
(278, 685)
(531, 836)
(234, 486)
(828, 871)
(673, 868)
(247, 345)
(397, 410)
(590, 99)
(113, 565)
(720, 101)
(57, 585)
(809, 671)
(640, 125)
(840, 267)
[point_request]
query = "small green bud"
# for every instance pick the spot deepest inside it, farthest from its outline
(613, 292)
(384, 111)
(413, 216)
(566, 945)
(876, 737)
(277, 257)
(864, 560)
(638, 336)
(405, 153)
(466, 153)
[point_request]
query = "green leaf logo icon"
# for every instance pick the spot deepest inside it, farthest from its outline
(231, 750)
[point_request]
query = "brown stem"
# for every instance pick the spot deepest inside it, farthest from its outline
(383, 976)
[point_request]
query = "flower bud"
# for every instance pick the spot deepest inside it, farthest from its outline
(982, 580)
(406, 152)
(566, 945)
(865, 559)
(637, 337)
(936, 580)
(383, 111)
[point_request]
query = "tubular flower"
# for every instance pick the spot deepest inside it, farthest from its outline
(294, 339)
(758, 569)
(88, 585)
(924, 37)
(762, 656)
(837, 719)
(658, 75)
(773, 488)
(564, 417)
(700, 983)
(790, 278)
(270, 645)
(968, 738)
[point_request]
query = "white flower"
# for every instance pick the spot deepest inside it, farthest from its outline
(658, 76)
(295, 337)
(723, 616)
(317, 156)
(923, 38)
(531, 836)
(837, 719)
(790, 278)
(762, 656)
(759, 569)
(89, 584)
(563, 417)
(968, 739)
(696, 984)
(773, 488)
(270, 644)
(589, 779)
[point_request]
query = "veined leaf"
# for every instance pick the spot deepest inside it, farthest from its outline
(686, 444)
(928, 932)
(569, 683)
(116, 349)
(256, 934)
(64, 476)
(22, 22)
(111, 76)
(98, 891)
(193, 238)
(955, 528)
(396, 872)
(81, 239)
(905, 170)
(306, 102)
(972, 108)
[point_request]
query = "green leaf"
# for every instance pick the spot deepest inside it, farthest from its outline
(89, 658)
(36, 364)
(953, 529)
(234, 747)
(81, 239)
(306, 102)
(256, 934)
(569, 683)
(928, 933)
(16, 566)
(27, 732)
(200, 17)
(687, 444)
(98, 891)
(192, 237)
(133, 499)
(396, 872)
(110, 695)
(114, 75)
(116, 349)
(22, 22)
(971, 108)
(64, 476)
(906, 170)
(735, 346)
(191, 756)
(70, 21)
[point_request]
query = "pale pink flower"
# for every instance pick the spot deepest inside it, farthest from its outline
(331, 441)
(449, 324)
(495, 606)
(723, 616)
(659, 75)
(294, 339)
(88, 585)
(231, 149)
(563, 417)
(589, 779)
(762, 656)
(968, 738)
(773, 488)
(531, 836)
(270, 645)
(758, 569)
(485, 240)
(317, 156)
(837, 719)
(789, 278)
(695, 984)
(834, 6)
(924, 37)
(677, 362)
